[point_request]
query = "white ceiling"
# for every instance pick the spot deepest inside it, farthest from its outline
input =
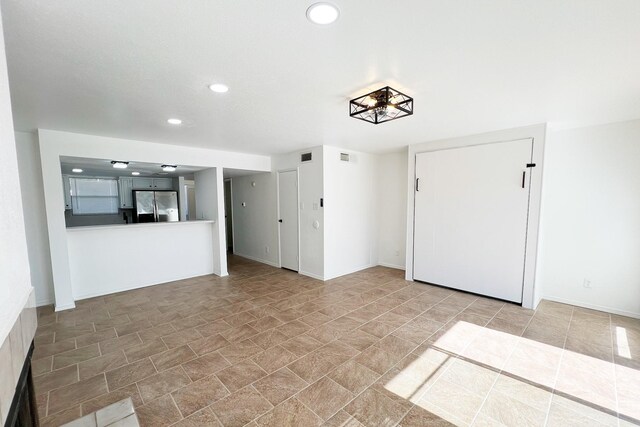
(121, 68)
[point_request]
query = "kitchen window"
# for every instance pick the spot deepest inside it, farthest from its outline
(94, 196)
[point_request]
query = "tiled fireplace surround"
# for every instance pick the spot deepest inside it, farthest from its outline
(13, 353)
(269, 347)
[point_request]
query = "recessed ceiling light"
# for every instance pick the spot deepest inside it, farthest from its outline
(135, 173)
(322, 13)
(169, 168)
(76, 170)
(219, 88)
(119, 165)
(174, 121)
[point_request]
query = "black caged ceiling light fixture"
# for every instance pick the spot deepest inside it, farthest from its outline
(382, 105)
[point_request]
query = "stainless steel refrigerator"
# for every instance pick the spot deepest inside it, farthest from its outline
(156, 206)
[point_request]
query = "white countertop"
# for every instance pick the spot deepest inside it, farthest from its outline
(139, 225)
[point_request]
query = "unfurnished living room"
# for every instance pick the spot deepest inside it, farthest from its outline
(305, 213)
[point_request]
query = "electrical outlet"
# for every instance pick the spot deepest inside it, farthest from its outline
(587, 284)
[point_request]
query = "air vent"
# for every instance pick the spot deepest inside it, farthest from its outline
(305, 157)
(344, 157)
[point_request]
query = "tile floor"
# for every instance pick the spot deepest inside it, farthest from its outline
(267, 347)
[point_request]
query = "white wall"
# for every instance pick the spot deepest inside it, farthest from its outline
(35, 219)
(350, 214)
(209, 185)
(255, 226)
(108, 259)
(15, 280)
(591, 218)
(17, 311)
(391, 206)
(538, 134)
(54, 144)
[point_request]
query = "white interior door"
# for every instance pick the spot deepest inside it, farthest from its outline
(288, 209)
(471, 208)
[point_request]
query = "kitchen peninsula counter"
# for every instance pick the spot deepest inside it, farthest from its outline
(105, 259)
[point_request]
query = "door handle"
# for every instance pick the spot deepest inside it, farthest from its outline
(279, 220)
(524, 174)
(417, 184)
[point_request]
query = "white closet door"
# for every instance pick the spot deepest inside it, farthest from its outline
(288, 208)
(471, 218)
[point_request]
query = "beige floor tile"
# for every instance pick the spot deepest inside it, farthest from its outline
(372, 408)
(208, 344)
(290, 413)
(419, 417)
(160, 384)
(158, 413)
(240, 375)
(530, 394)
(74, 394)
(56, 379)
(75, 356)
(535, 362)
(471, 376)
(129, 374)
(587, 378)
(280, 385)
(561, 416)
(241, 407)
(453, 399)
(203, 418)
(127, 392)
(354, 376)
(181, 338)
(205, 365)
(511, 412)
(199, 394)
(170, 358)
(146, 349)
(325, 397)
(368, 329)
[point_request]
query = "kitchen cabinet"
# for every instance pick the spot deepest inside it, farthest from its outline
(162, 184)
(152, 183)
(66, 186)
(125, 188)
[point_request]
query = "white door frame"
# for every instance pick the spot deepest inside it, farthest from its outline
(531, 295)
(297, 171)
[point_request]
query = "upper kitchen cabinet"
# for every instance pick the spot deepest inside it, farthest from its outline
(67, 191)
(125, 189)
(152, 183)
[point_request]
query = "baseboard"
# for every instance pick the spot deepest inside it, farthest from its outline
(351, 271)
(592, 306)
(397, 267)
(65, 307)
(312, 275)
(264, 261)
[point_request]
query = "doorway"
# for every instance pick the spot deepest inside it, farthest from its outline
(471, 217)
(228, 214)
(288, 219)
